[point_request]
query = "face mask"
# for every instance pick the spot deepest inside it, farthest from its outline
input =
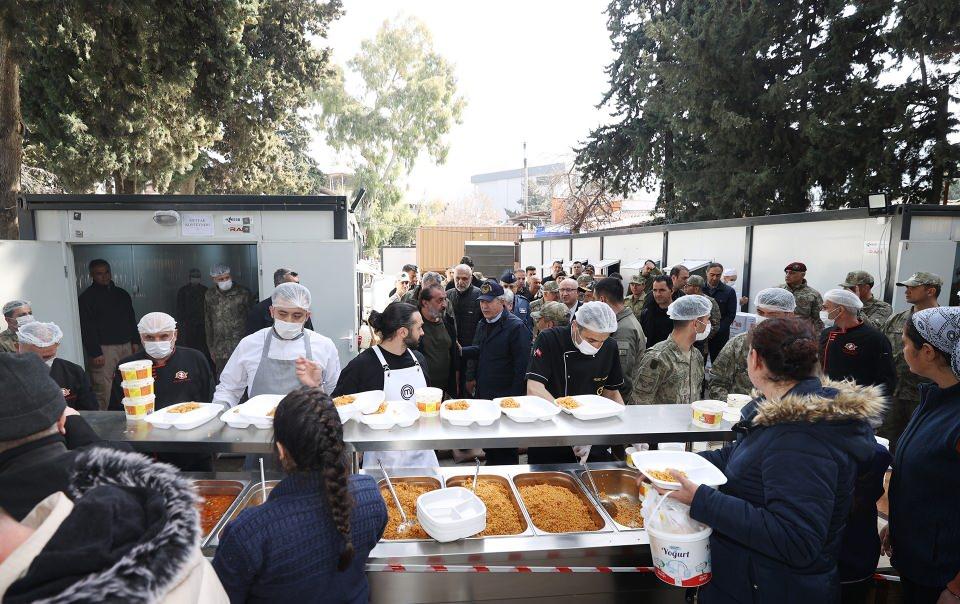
(825, 317)
(706, 332)
(225, 285)
(158, 350)
(287, 331)
(24, 319)
(50, 361)
(586, 347)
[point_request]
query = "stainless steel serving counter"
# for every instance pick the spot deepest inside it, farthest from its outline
(637, 424)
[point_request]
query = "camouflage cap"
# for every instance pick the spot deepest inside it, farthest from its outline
(583, 280)
(696, 281)
(638, 279)
(858, 278)
(552, 311)
(551, 286)
(922, 278)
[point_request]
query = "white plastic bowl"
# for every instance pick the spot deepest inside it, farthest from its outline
(452, 513)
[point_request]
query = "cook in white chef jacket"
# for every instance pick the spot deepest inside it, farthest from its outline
(267, 361)
(394, 368)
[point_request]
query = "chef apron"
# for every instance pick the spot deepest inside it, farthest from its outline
(399, 385)
(275, 376)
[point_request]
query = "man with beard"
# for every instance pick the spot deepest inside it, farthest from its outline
(465, 299)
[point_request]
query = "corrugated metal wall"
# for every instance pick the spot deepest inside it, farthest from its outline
(440, 247)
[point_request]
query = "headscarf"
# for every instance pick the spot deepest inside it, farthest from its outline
(941, 327)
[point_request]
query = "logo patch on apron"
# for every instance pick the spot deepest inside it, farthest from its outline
(406, 392)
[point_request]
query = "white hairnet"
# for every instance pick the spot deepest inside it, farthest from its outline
(13, 305)
(843, 297)
(776, 299)
(291, 295)
(596, 316)
(730, 272)
(156, 322)
(687, 308)
(218, 270)
(39, 334)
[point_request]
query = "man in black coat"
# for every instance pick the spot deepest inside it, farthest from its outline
(439, 341)
(259, 316)
(726, 298)
(39, 435)
(657, 326)
(853, 349)
(465, 299)
(43, 340)
(497, 358)
(189, 313)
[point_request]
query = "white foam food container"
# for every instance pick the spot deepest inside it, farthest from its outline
(184, 421)
(531, 409)
(697, 468)
(593, 406)
(481, 412)
(452, 513)
(399, 414)
(365, 402)
(253, 412)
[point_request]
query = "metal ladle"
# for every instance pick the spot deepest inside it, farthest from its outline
(405, 524)
(476, 473)
(608, 504)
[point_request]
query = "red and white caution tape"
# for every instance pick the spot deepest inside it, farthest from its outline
(482, 568)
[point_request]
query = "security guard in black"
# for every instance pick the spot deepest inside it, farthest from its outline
(565, 371)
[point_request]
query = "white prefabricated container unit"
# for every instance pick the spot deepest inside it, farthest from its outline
(152, 242)
(890, 246)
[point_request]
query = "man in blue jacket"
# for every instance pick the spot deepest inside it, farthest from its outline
(521, 306)
(497, 360)
(726, 298)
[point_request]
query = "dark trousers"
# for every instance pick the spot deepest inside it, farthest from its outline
(715, 345)
(857, 592)
(551, 455)
(502, 457)
(915, 593)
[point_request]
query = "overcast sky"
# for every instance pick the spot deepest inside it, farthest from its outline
(530, 70)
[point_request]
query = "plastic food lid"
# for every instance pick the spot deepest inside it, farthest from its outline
(136, 383)
(139, 400)
(709, 406)
(133, 365)
(428, 395)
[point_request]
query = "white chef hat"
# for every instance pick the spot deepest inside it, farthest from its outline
(843, 297)
(39, 334)
(687, 308)
(291, 295)
(596, 316)
(156, 322)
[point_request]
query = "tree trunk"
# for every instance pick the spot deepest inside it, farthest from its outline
(11, 139)
(941, 146)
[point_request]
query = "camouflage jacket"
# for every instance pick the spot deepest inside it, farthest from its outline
(537, 305)
(667, 375)
(876, 312)
(635, 304)
(907, 382)
(225, 315)
(809, 303)
(729, 371)
(715, 317)
(632, 343)
(8, 341)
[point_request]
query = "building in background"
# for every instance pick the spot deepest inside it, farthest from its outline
(505, 189)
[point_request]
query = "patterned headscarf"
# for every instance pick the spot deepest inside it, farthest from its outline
(941, 327)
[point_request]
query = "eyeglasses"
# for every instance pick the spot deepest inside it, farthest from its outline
(568, 290)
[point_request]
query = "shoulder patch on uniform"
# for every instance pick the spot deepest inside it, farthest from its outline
(654, 363)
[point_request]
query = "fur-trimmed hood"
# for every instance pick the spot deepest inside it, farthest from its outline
(132, 535)
(817, 400)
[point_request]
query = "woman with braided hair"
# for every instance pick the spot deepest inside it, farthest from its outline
(310, 541)
(779, 520)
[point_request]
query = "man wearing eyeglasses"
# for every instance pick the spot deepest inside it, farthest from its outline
(259, 316)
(809, 300)
(570, 295)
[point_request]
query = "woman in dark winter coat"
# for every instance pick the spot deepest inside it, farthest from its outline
(924, 531)
(777, 522)
(310, 541)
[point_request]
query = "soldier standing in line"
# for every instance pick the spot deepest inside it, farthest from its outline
(809, 300)
(550, 293)
(876, 312)
(672, 371)
(922, 290)
(638, 295)
(225, 311)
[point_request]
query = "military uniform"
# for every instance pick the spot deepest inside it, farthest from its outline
(809, 303)
(669, 375)
(632, 343)
(8, 341)
(225, 315)
(636, 304)
(876, 312)
(906, 395)
(729, 370)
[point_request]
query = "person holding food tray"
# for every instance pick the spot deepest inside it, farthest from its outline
(575, 360)
(394, 367)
